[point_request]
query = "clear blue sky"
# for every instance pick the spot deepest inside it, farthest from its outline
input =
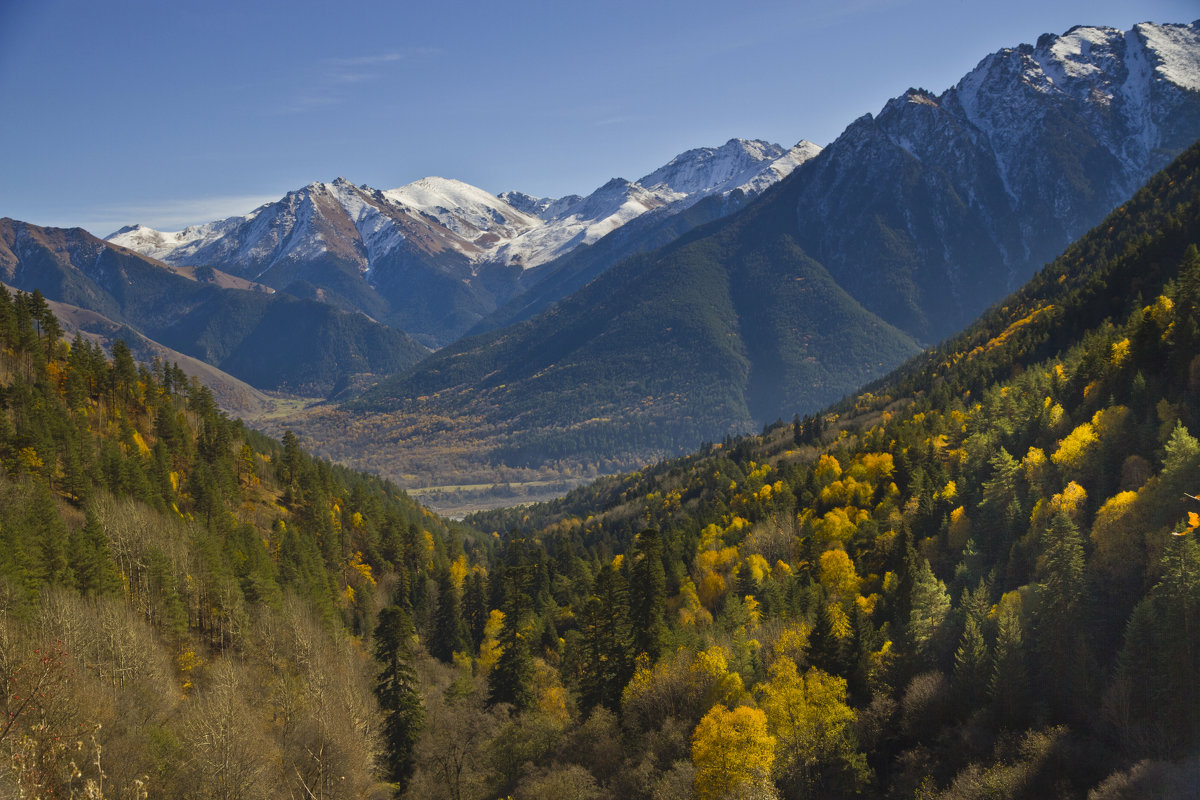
(171, 112)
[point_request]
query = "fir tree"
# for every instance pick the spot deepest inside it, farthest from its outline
(607, 661)
(1008, 685)
(475, 608)
(398, 694)
(511, 679)
(1065, 673)
(930, 605)
(90, 560)
(447, 635)
(648, 590)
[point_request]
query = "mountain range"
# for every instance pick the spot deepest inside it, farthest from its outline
(730, 287)
(271, 340)
(898, 233)
(434, 257)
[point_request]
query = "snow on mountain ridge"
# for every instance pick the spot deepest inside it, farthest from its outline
(1026, 151)
(527, 204)
(705, 169)
(511, 228)
(1178, 50)
(750, 165)
(465, 209)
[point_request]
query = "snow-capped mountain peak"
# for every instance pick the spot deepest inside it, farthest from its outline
(437, 250)
(465, 209)
(709, 169)
(447, 214)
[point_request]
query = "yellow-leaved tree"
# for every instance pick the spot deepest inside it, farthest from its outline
(813, 727)
(733, 752)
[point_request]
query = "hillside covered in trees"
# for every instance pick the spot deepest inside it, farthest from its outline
(188, 609)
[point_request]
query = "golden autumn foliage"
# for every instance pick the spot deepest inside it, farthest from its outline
(838, 576)
(827, 470)
(1109, 422)
(363, 570)
(732, 751)
(877, 467)
(960, 528)
(1001, 339)
(1070, 501)
(711, 589)
(1118, 548)
(809, 717)
(458, 572)
(1034, 465)
(689, 608)
(1120, 352)
(1077, 448)
(489, 649)
(838, 525)
(792, 642)
(846, 492)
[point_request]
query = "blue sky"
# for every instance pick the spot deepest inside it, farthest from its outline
(174, 112)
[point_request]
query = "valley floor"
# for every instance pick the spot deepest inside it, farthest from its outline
(448, 464)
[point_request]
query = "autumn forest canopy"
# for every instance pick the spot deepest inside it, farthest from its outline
(977, 577)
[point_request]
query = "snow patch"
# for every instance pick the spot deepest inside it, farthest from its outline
(1177, 48)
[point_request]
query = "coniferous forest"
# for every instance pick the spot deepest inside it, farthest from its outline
(979, 577)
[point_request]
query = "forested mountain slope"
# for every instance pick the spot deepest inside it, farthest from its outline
(978, 578)
(186, 607)
(710, 335)
(979, 575)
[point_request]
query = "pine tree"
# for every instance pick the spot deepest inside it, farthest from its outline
(971, 665)
(447, 638)
(1001, 504)
(930, 605)
(828, 647)
(607, 660)
(124, 372)
(52, 538)
(1065, 672)
(1008, 686)
(1159, 665)
(511, 679)
(398, 693)
(475, 608)
(648, 594)
(90, 560)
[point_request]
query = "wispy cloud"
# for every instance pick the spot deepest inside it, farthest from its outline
(332, 76)
(171, 215)
(383, 58)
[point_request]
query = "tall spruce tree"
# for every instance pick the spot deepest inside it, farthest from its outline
(475, 607)
(648, 594)
(398, 693)
(448, 636)
(607, 662)
(511, 679)
(1064, 672)
(1008, 685)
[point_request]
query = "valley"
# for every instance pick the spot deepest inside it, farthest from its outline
(867, 470)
